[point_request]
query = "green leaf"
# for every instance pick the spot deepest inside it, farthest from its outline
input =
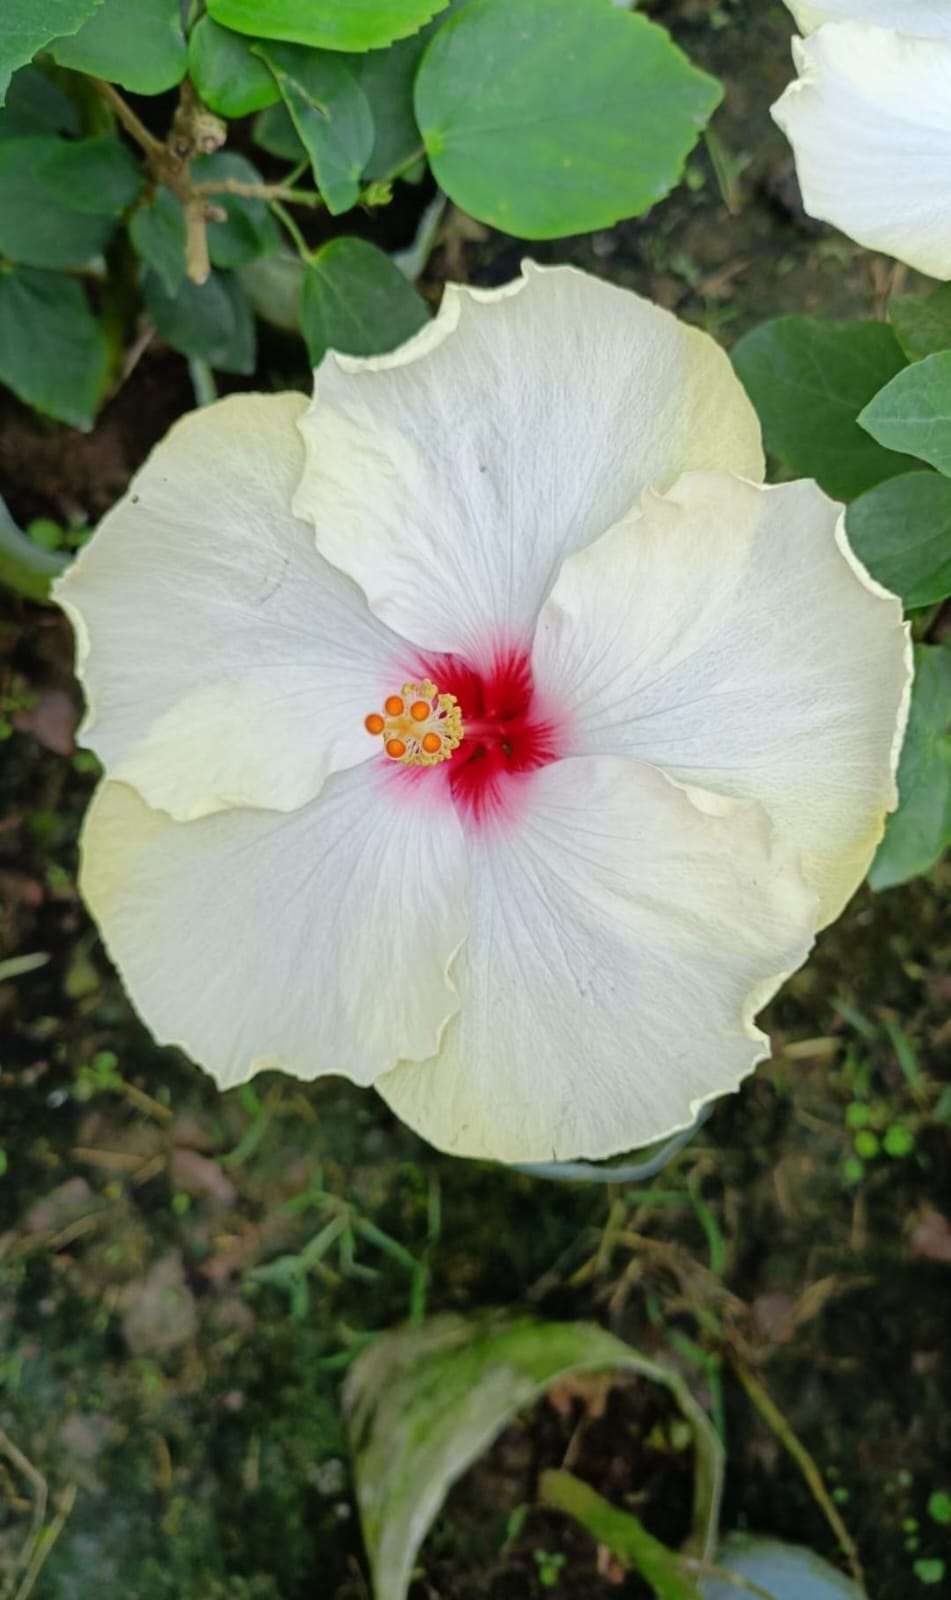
(331, 24)
(53, 353)
(212, 320)
(27, 26)
(620, 1532)
(35, 227)
(250, 229)
(808, 380)
(275, 132)
(136, 43)
(424, 1403)
(98, 176)
(919, 832)
(913, 412)
(902, 532)
(331, 115)
(227, 76)
(274, 284)
(922, 323)
(158, 235)
(35, 105)
(356, 301)
(29, 569)
(546, 117)
(785, 1571)
(386, 78)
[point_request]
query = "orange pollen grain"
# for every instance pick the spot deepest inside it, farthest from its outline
(431, 742)
(395, 747)
(374, 723)
(393, 705)
(420, 710)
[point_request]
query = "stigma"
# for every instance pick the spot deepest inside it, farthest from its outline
(419, 727)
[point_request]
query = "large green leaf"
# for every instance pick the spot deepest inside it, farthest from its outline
(808, 380)
(355, 300)
(136, 43)
(902, 532)
(158, 234)
(37, 228)
(249, 230)
(329, 24)
(227, 75)
(27, 26)
(98, 176)
(331, 114)
(386, 78)
(919, 832)
(275, 132)
(36, 105)
(913, 412)
(52, 351)
(922, 322)
(424, 1403)
(212, 320)
(546, 117)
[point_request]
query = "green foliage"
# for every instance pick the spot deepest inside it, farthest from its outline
(808, 380)
(226, 73)
(52, 351)
(37, 227)
(355, 300)
(918, 833)
(157, 231)
(35, 105)
(922, 323)
(249, 230)
(212, 320)
(331, 25)
(901, 530)
(98, 176)
(136, 43)
(27, 26)
(913, 412)
(331, 116)
(386, 78)
(513, 148)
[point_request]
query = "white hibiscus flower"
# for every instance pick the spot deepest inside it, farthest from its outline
(474, 733)
(869, 120)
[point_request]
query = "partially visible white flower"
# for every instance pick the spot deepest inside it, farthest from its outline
(869, 120)
(476, 733)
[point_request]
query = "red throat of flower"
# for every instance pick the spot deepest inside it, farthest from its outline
(471, 733)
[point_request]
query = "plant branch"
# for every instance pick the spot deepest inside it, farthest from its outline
(259, 191)
(154, 148)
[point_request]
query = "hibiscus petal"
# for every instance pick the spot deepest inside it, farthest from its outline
(869, 120)
(452, 477)
(926, 19)
(621, 939)
(224, 661)
(728, 635)
(316, 942)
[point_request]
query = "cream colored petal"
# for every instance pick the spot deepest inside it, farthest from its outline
(621, 939)
(316, 942)
(727, 634)
(451, 478)
(925, 19)
(225, 663)
(869, 120)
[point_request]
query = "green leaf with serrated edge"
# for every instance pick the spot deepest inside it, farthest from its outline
(784, 1571)
(158, 235)
(544, 117)
(356, 301)
(901, 530)
(36, 228)
(28, 26)
(922, 322)
(331, 24)
(249, 230)
(138, 44)
(331, 115)
(913, 412)
(919, 832)
(808, 380)
(227, 76)
(424, 1403)
(53, 353)
(212, 320)
(36, 106)
(275, 132)
(98, 176)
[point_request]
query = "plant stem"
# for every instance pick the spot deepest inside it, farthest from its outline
(259, 191)
(300, 243)
(154, 148)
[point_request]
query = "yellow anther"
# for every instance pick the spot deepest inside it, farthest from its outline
(421, 727)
